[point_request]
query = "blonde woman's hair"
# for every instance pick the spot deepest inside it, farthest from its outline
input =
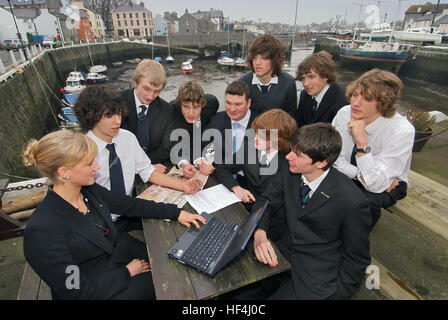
(64, 148)
(152, 70)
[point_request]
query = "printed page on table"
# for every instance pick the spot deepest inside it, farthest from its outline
(166, 195)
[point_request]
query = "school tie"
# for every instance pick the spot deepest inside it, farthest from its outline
(314, 105)
(143, 129)
(304, 194)
(115, 171)
(236, 137)
(353, 156)
(264, 89)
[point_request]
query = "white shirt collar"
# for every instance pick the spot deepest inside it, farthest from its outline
(315, 184)
(244, 122)
(99, 142)
(269, 156)
(255, 80)
(321, 95)
(138, 103)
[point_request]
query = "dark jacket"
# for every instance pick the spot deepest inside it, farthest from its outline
(221, 123)
(327, 242)
(280, 96)
(160, 115)
(333, 100)
(186, 147)
(58, 236)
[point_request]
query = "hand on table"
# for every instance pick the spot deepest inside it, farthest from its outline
(264, 251)
(205, 167)
(192, 185)
(160, 167)
(188, 170)
(186, 219)
(243, 194)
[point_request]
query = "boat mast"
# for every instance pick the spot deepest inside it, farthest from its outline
(88, 47)
(168, 41)
(242, 49)
(293, 33)
(434, 16)
(396, 17)
(359, 16)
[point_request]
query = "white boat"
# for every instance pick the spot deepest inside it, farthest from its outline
(240, 62)
(74, 85)
(187, 67)
(77, 75)
(380, 31)
(169, 59)
(226, 62)
(425, 35)
(93, 78)
(98, 68)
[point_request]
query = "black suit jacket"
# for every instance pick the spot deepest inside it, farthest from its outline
(221, 122)
(333, 100)
(186, 147)
(327, 242)
(57, 236)
(160, 115)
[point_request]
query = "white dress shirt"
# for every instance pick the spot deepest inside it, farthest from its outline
(321, 95)
(132, 157)
(269, 156)
(390, 140)
(256, 81)
(315, 183)
(138, 104)
(239, 134)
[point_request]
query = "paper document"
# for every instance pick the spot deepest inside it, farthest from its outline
(161, 194)
(212, 199)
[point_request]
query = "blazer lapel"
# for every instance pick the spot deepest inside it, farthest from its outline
(321, 196)
(132, 111)
(79, 224)
(326, 100)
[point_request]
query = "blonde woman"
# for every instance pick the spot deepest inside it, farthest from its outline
(71, 241)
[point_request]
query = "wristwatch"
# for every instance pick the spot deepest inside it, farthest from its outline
(364, 150)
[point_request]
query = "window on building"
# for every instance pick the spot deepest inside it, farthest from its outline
(118, 16)
(124, 15)
(144, 21)
(144, 15)
(130, 16)
(120, 32)
(119, 23)
(125, 23)
(136, 32)
(138, 22)
(132, 22)
(136, 15)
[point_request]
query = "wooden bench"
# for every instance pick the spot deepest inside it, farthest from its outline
(426, 205)
(32, 287)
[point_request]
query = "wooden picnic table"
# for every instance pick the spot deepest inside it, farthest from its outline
(173, 280)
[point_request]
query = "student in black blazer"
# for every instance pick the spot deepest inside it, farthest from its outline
(264, 158)
(322, 97)
(230, 125)
(193, 110)
(151, 124)
(328, 221)
(71, 241)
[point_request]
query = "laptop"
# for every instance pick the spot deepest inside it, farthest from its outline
(212, 246)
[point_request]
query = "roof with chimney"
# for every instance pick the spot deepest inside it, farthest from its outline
(128, 8)
(428, 7)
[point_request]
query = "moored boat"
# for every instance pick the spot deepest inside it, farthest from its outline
(94, 78)
(226, 61)
(75, 82)
(67, 113)
(169, 59)
(368, 55)
(98, 68)
(424, 35)
(379, 32)
(187, 67)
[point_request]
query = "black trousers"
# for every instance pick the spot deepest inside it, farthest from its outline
(383, 199)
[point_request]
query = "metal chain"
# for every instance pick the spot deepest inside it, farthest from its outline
(28, 186)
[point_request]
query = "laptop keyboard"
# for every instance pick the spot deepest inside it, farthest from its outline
(208, 244)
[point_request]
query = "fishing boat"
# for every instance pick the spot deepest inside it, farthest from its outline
(240, 63)
(424, 35)
(75, 82)
(94, 78)
(158, 59)
(169, 59)
(379, 32)
(368, 55)
(187, 67)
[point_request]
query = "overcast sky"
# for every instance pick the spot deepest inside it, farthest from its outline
(283, 10)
